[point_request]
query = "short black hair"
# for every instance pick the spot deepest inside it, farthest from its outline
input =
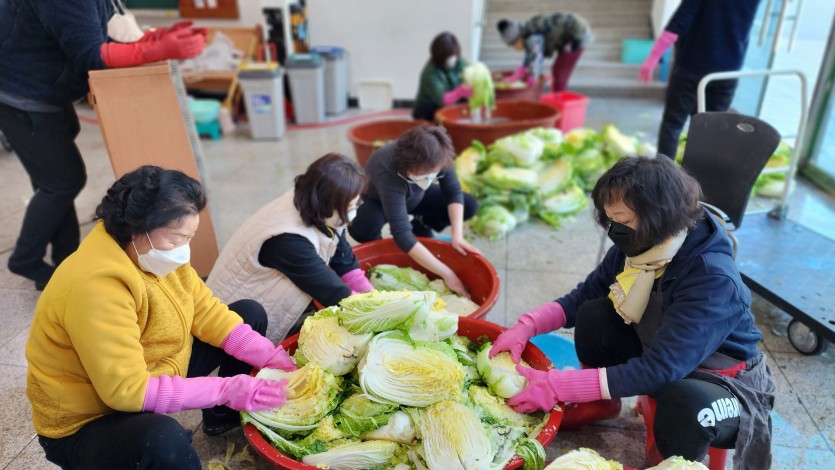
(423, 148)
(443, 46)
(663, 196)
(329, 184)
(148, 198)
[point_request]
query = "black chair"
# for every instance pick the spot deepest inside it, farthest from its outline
(726, 152)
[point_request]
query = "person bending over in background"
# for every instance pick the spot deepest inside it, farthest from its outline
(710, 36)
(295, 248)
(562, 33)
(126, 331)
(440, 80)
(47, 48)
(401, 174)
(664, 314)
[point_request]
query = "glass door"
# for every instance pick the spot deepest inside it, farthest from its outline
(820, 167)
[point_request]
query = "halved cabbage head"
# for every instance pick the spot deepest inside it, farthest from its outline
(583, 458)
(458, 305)
(324, 341)
(678, 462)
(454, 438)
(398, 372)
(359, 414)
(388, 277)
(354, 455)
(495, 411)
(400, 428)
(500, 373)
(437, 326)
(373, 312)
(312, 395)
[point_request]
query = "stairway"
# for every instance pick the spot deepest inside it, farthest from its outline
(600, 71)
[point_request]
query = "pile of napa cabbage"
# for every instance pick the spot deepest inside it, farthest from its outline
(539, 173)
(372, 392)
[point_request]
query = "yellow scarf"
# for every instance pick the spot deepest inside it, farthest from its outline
(632, 288)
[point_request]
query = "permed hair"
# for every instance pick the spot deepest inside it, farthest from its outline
(329, 184)
(148, 198)
(662, 195)
(422, 149)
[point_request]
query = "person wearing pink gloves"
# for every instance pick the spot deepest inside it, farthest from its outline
(710, 36)
(440, 80)
(295, 249)
(563, 34)
(126, 331)
(665, 314)
(47, 48)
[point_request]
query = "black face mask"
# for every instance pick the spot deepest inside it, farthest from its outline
(624, 238)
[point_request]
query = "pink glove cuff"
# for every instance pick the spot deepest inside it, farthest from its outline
(247, 345)
(664, 42)
(576, 386)
(164, 394)
(356, 280)
(546, 318)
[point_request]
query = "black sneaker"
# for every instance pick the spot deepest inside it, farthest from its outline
(220, 419)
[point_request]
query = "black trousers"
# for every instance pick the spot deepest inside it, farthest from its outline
(45, 145)
(691, 415)
(148, 440)
(681, 103)
(430, 214)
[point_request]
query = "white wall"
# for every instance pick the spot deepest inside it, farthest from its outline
(388, 40)
(662, 10)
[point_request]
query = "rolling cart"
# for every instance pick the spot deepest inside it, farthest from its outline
(790, 265)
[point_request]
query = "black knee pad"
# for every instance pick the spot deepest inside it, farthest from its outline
(252, 312)
(692, 415)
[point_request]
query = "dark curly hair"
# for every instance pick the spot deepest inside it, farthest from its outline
(328, 185)
(422, 149)
(146, 199)
(663, 196)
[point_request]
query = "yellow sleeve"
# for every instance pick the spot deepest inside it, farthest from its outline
(100, 318)
(213, 321)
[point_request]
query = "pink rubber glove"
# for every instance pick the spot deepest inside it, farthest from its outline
(543, 319)
(517, 74)
(180, 44)
(167, 394)
(249, 346)
(546, 388)
(531, 81)
(664, 42)
(356, 280)
(461, 91)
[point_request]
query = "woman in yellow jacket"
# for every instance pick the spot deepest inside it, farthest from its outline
(126, 331)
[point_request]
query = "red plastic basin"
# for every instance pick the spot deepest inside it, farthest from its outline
(525, 93)
(364, 135)
(509, 117)
(470, 327)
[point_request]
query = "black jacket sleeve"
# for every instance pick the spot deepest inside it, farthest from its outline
(344, 260)
(295, 257)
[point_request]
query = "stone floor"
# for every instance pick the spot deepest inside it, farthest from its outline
(535, 264)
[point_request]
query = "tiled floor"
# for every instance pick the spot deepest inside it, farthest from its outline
(535, 264)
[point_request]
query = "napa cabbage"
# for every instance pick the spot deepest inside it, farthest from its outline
(324, 341)
(382, 311)
(493, 222)
(354, 455)
(453, 437)
(499, 373)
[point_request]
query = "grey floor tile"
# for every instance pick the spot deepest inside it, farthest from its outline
(572, 247)
(494, 250)
(792, 458)
(18, 307)
(32, 457)
(530, 289)
(624, 446)
(792, 420)
(16, 421)
(811, 380)
(13, 351)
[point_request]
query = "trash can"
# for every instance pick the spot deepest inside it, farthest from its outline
(307, 85)
(263, 88)
(336, 78)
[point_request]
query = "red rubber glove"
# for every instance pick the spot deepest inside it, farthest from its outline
(461, 91)
(167, 394)
(180, 44)
(356, 280)
(249, 346)
(543, 319)
(664, 42)
(546, 388)
(157, 33)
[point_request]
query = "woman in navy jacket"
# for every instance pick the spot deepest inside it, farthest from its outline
(664, 314)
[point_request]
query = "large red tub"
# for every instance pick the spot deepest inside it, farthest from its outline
(365, 135)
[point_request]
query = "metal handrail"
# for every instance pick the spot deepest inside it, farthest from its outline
(781, 210)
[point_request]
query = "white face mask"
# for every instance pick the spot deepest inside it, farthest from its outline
(422, 181)
(451, 61)
(162, 262)
(122, 25)
(334, 221)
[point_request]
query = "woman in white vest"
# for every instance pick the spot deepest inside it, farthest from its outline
(294, 249)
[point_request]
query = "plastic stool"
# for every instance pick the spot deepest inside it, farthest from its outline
(646, 407)
(212, 129)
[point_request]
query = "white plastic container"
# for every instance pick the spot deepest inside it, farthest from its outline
(264, 96)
